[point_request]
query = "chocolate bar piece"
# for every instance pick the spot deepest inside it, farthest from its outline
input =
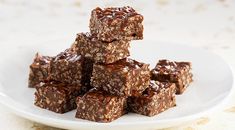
(159, 97)
(97, 105)
(175, 72)
(125, 77)
(57, 97)
(101, 52)
(116, 23)
(67, 68)
(39, 70)
(71, 68)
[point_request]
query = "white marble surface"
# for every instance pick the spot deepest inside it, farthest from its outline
(208, 24)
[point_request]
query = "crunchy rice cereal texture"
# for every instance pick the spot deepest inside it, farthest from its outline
(175, 72)
(116, 23)
(57, 97)
(159, 97)
(39, 70)
(101, 52)
(125, 77)
(97, 105)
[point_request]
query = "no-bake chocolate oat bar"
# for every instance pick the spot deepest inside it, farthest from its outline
(57, 97)
(175, 72)
(125, 77)
(101, 52)
(39, 70)
(71, 68)
(159, 97)
(97, 105)
(116, 23)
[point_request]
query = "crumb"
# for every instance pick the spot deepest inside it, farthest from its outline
(37, 126)
(77, 3)
(224, 3)
(162, 2)
(203, 121)
(231, 109)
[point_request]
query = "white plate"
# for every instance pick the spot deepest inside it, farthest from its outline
(213, 82)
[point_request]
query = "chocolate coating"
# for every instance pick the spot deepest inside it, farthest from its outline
(100, 52)
(126, 77)
(97, 105)
(57, 97)
(116, 23)
(39, 70)
(158, 97)
(175, 72)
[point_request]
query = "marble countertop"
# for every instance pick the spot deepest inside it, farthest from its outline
(209, 24)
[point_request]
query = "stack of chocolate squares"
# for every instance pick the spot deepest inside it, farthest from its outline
(59, 80)
(96, 76)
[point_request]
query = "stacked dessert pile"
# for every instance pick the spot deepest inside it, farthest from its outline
(96, 76)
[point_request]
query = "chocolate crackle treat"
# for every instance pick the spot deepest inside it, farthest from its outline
(116, 23)
(101, 52)
(39, 70)
(71, 68)
(57, 97)
(97, 105)
(125, 77)
(159, 97)
(175, 72)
